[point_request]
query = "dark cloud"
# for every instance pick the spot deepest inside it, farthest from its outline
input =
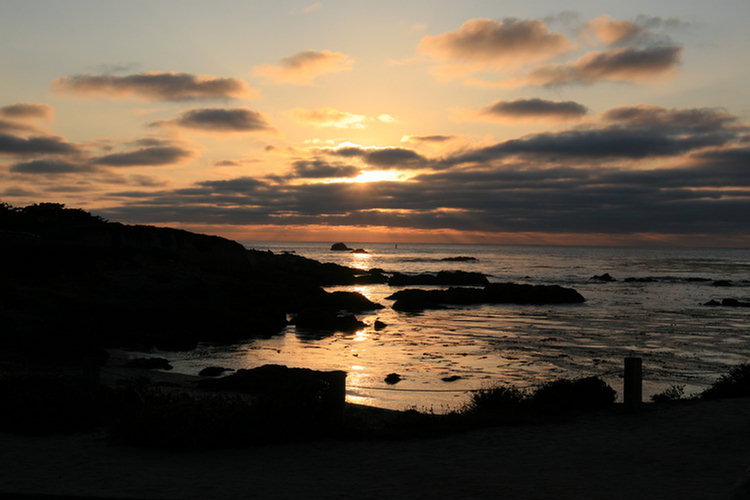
(676, 120)
(622, 65)
(689, 199)
(383, 157)
(147, 156)
(431, 138)
(169, 86)
(26, 110)
(499, 44)
(318, 169)
(605, 143)
(226, 163)
(222, 120)
(49, 167)
(23, 146)
(535, 109)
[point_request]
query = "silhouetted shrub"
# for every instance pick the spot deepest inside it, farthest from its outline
(496, 399)
(559, 397)
(735, 384)
(672, 393)
(566, 396)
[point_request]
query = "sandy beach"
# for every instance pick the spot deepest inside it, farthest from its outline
(694, 450)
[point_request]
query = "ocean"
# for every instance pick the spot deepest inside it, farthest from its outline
(658, 315)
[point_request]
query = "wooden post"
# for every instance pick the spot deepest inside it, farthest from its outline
(632, 390)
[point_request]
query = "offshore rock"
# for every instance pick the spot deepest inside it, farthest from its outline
(495, 293)
(340, 247)
(455, 278)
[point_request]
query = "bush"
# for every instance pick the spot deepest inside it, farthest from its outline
(572, 396)
(735, 384)
(496, 399)
(556, 398)
(673, 393)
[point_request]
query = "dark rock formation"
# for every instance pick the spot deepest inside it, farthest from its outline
(460, 258)
(727, 303)
(213, 371)
(149, 363)
(455, 278)
(78, 284)
(326, 320)
(379, 325)
(603, 277)
(340, 247)
(392, 378)
(452, 378)
(722, 283)
(359, 250)
(495, 293)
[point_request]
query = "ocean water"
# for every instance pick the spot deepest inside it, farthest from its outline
(663, 321)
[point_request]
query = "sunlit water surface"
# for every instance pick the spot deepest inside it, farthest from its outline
(664, 322)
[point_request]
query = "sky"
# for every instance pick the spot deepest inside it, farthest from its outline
(542, 122)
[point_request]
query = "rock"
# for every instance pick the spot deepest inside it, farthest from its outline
(712, 303)
(371, 277)
(496, 293)
(640, 280)
(354, 302)
(722, 283)
(379, 325)
(340, 247)
(149, 363)
(603, 277)
(460, 258)
(734, 303)
(455, 278)
(360, 250)
(327, 320)
(452, 378)
(213, 371)
(393, 378)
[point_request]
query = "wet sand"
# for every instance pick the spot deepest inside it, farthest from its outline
(694, 450)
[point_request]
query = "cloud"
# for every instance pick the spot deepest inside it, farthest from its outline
(619, 65)
(483, 44)
(427, 138)
(627, 132)
(147, 156)
(23, 146)
(688, 120)
(220, 120)
(534, 109)
(155, 86)
(318, 169)
(382, 157)
(613, 32)
(26, 110)
(49, 167)
(329, 117)
(304, 67)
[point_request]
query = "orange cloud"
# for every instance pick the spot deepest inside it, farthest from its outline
(484, 44)
(304, 67)
(329, 117)
(156, 86)
(613, 32)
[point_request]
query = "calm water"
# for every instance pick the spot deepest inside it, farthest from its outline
(680, 340)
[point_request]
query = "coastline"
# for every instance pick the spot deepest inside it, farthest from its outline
(695, 449)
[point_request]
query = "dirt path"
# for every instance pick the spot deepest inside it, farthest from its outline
(693, 451)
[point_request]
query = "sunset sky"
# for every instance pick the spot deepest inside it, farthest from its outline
(588, 122)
